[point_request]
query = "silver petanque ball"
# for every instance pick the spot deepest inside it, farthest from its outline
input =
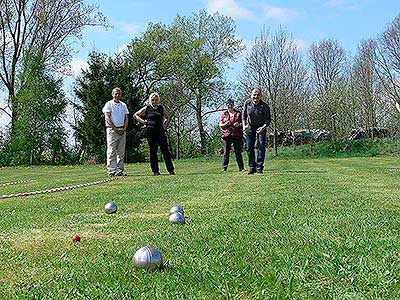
(148, 258)
(177, 218)
(110, 208)
(175, 209)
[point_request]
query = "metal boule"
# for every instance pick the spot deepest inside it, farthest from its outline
(177, 218)
(176, 208)
(110, 208)
(148, 258)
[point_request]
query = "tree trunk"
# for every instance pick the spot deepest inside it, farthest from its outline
(14, 107)
(203, 137)
(275, 132)
(275, 141)
(178, 145)
(178, 137)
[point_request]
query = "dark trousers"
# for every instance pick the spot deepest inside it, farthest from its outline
(155, 138)
(238, 147)
(252, 137)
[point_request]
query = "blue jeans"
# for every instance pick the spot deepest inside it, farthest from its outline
(251, 138)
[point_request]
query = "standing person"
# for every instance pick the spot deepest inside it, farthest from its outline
(256, 118)
(154, 117)
(116, 116)
(232, 133)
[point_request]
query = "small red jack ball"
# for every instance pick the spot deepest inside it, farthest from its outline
(76, 238)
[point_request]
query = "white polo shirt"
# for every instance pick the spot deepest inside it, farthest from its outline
(117, 112)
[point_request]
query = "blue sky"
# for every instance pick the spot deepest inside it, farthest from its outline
(348, 21)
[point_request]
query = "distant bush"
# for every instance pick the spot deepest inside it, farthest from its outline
(362, 147)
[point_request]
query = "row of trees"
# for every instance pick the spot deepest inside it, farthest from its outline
(185, 62)
(35, 51)
(328, 89)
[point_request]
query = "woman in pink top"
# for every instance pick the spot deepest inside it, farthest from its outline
(232, 133)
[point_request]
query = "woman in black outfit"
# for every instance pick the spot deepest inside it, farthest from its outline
(154, 116)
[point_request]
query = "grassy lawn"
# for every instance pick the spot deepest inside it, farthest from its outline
(306, 229)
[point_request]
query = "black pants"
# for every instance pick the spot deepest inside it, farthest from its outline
(156, 137)
(237, 146)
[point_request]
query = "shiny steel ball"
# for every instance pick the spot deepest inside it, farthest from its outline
(148, 258)
(110, 208)
(177, 218)
(175, 209)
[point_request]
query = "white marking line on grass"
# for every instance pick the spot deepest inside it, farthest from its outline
(64, 188)
(15, 182)
(395, 170)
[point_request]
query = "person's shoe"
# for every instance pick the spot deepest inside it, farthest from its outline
(172, 173)
(251, 171)
(224, 169)
(156, 174)
(242, 170)
(111, 174)
(121, 174)
(260, 171)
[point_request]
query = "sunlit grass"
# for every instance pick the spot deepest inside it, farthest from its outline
(306, 229)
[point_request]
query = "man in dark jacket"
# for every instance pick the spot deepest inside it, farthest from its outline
(256, 118)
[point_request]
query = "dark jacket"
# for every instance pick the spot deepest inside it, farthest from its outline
(256, 115)
(230, 130)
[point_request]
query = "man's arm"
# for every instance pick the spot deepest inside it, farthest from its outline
(126, 121)
(244, 115)
(107, 116)
(267, 116)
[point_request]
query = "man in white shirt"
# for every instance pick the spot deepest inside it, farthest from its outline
(116, 116)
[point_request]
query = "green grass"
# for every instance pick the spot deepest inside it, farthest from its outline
(306, 229)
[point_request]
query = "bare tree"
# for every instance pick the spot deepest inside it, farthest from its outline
(42, 26)
(366, 85)
(332, 109)
(276, 66)
(388, 61)
(328, 60)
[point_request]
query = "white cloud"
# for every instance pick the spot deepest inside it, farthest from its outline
(248, 44)
(259, 11)
(348, 4)
(77, 65)
(277, 14)
(301, 44)
(122, 48)
(129, 28)
(229, 8)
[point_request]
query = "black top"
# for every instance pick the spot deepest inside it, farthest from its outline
(256, 115)
(155, 116)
